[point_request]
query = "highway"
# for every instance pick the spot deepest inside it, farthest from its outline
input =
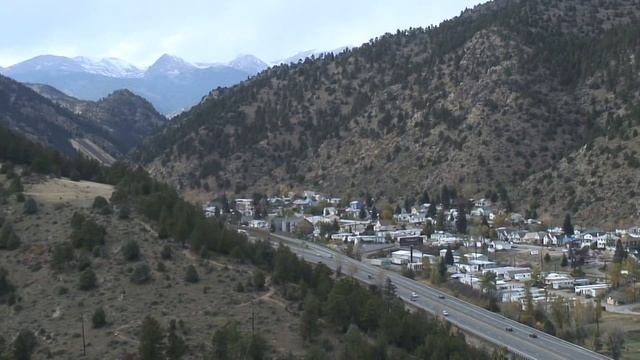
(471, 318)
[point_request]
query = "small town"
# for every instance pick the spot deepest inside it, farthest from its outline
(516, 260)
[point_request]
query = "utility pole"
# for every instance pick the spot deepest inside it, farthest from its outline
(84, 344)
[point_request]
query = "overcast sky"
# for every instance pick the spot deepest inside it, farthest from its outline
(139, 31)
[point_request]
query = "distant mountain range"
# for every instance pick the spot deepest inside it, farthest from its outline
(171, 84)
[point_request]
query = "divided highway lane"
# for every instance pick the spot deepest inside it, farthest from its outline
(474, 319)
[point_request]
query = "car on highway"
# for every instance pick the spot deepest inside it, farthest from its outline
(533, 335)
(440, 296)
(509, 329)
(414, 296)
(445, 313)
(369, 276)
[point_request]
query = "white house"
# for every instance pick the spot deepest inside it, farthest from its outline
(245, 207)
(404, 257)
(501, 272)
(258, 224)
(499, 246)
(328, 211)
(474, 266)
(518, 275)
(476, 256)
(591, 290)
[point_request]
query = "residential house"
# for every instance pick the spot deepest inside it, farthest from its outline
(510, 235)
(353, 226)
(533, 237)
(329, 211)
(400, 257)
(630, 241)
(245, 207)
(591, 290)
(550, 239)
(501, 272)
(518, 275)
(499, 246)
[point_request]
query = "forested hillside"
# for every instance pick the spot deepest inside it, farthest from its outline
(127, 117)
(104, 130)
(538, 93)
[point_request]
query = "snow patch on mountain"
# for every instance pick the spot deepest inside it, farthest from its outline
(111, 67)
(248, 63)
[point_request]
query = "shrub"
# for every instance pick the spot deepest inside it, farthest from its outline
(124, 212)
(141, 274)
(24, 344)
(258, 280)
(61, 255)
(161, 267)
(9, 240)
(84, 262)
(191, 275)
(30, 207)
(5, 285)
(88, 280)
(16, 186)
(99, 318)
(166, 253)
(130, 250)
(101, 205)
(77, 220)
(86, 233)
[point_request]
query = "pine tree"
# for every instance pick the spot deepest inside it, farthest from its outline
(151, 336)
(191, 275)
(30, 207)
(620, 253)
(176, 346)
(461, 222)
(130, 250)
(310, 315)
(448, 256)
(440, 221)
(99, 318)
(567, 227)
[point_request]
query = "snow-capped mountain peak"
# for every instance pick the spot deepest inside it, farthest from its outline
(248, 63)
(111, 67)
(170, 65)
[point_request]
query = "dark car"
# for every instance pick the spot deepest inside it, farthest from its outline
(533, 335)
(441, 296)
(509, 329)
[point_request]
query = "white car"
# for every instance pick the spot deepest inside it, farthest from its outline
(414, 296)
(445, 313)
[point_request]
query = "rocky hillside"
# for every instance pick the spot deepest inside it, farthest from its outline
(522, 98)
(128, 117)
(104, 130)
